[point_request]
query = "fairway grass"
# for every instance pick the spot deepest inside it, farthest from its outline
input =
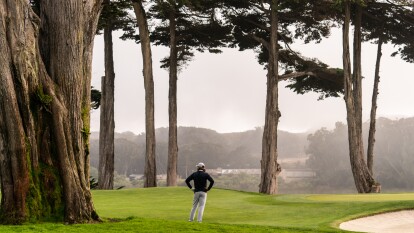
(167, 210)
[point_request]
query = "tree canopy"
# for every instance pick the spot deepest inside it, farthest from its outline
(199, 27)
(298, 20)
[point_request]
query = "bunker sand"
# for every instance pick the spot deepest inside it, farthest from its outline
(394, 222)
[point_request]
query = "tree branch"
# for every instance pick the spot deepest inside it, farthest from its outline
(260, 7)
(257, 25)
(260, 40)
(296, 75)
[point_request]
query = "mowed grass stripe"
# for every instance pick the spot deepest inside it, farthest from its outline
(363, 198)
(153, 226)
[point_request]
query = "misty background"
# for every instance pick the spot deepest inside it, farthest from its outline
(221, 104)
(311, 163)
(227, 92)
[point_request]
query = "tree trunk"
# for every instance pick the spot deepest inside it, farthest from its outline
(172, 105)
(150, 171)
(15, 181)
(371, 136)
(44, 110)
(353, 99)
(107, 123)
(269, 166)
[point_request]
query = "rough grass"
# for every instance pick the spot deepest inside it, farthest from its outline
(167, 209)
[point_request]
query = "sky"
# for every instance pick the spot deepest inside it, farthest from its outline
(227, 92)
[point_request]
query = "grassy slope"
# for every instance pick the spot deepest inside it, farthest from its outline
(167, 209)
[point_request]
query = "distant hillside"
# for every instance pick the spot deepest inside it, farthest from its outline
(228, 150)
(393, 156)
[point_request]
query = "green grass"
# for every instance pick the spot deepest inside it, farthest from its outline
(167, 209)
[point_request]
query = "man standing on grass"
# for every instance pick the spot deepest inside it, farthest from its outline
(200, 178)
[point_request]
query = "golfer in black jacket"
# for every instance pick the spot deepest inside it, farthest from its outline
(200, 178)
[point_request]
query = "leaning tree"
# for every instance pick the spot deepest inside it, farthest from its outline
(45, 75)
(386, 22)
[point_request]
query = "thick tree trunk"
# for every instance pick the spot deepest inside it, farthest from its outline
(150, 171)
(14, 161)
(269, 166)
(107, 123)
(372, 128)
(353, 99)
(172, 105)
(44, 116)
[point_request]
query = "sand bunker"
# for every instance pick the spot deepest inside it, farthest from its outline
(394, 222)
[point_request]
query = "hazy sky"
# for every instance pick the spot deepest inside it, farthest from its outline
(227, 92)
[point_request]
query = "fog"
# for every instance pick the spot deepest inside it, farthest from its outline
(226, 92)
(317, 162)
(223, 93)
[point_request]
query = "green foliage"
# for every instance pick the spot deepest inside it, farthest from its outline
(251, 21)
(45, 194)
(85, 132)
(115, 13)
(361, 2)
(85, 111)
(52, 201)
(93, 183)
(298, 20)
(95, 98)
(393, 21)
(318, 77)
(33, 200)
(198, 28)
(42, 99)
(326, 88)
(86, 129)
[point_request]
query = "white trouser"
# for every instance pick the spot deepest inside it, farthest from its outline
(200, 199)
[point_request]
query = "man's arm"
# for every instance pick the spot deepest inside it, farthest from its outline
(211, 182)
(187, 181)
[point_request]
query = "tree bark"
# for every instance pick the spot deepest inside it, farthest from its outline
(107, 123)
(172, 105)
(13, 151)
(44, 110)
(372, 128)
(269, 166)
(150, 171)
(353, 99)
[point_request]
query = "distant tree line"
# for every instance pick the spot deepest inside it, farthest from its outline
(328, 156)
(228, 150)
(327, 153)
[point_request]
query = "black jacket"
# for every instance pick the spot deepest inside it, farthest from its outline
(200, 181)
